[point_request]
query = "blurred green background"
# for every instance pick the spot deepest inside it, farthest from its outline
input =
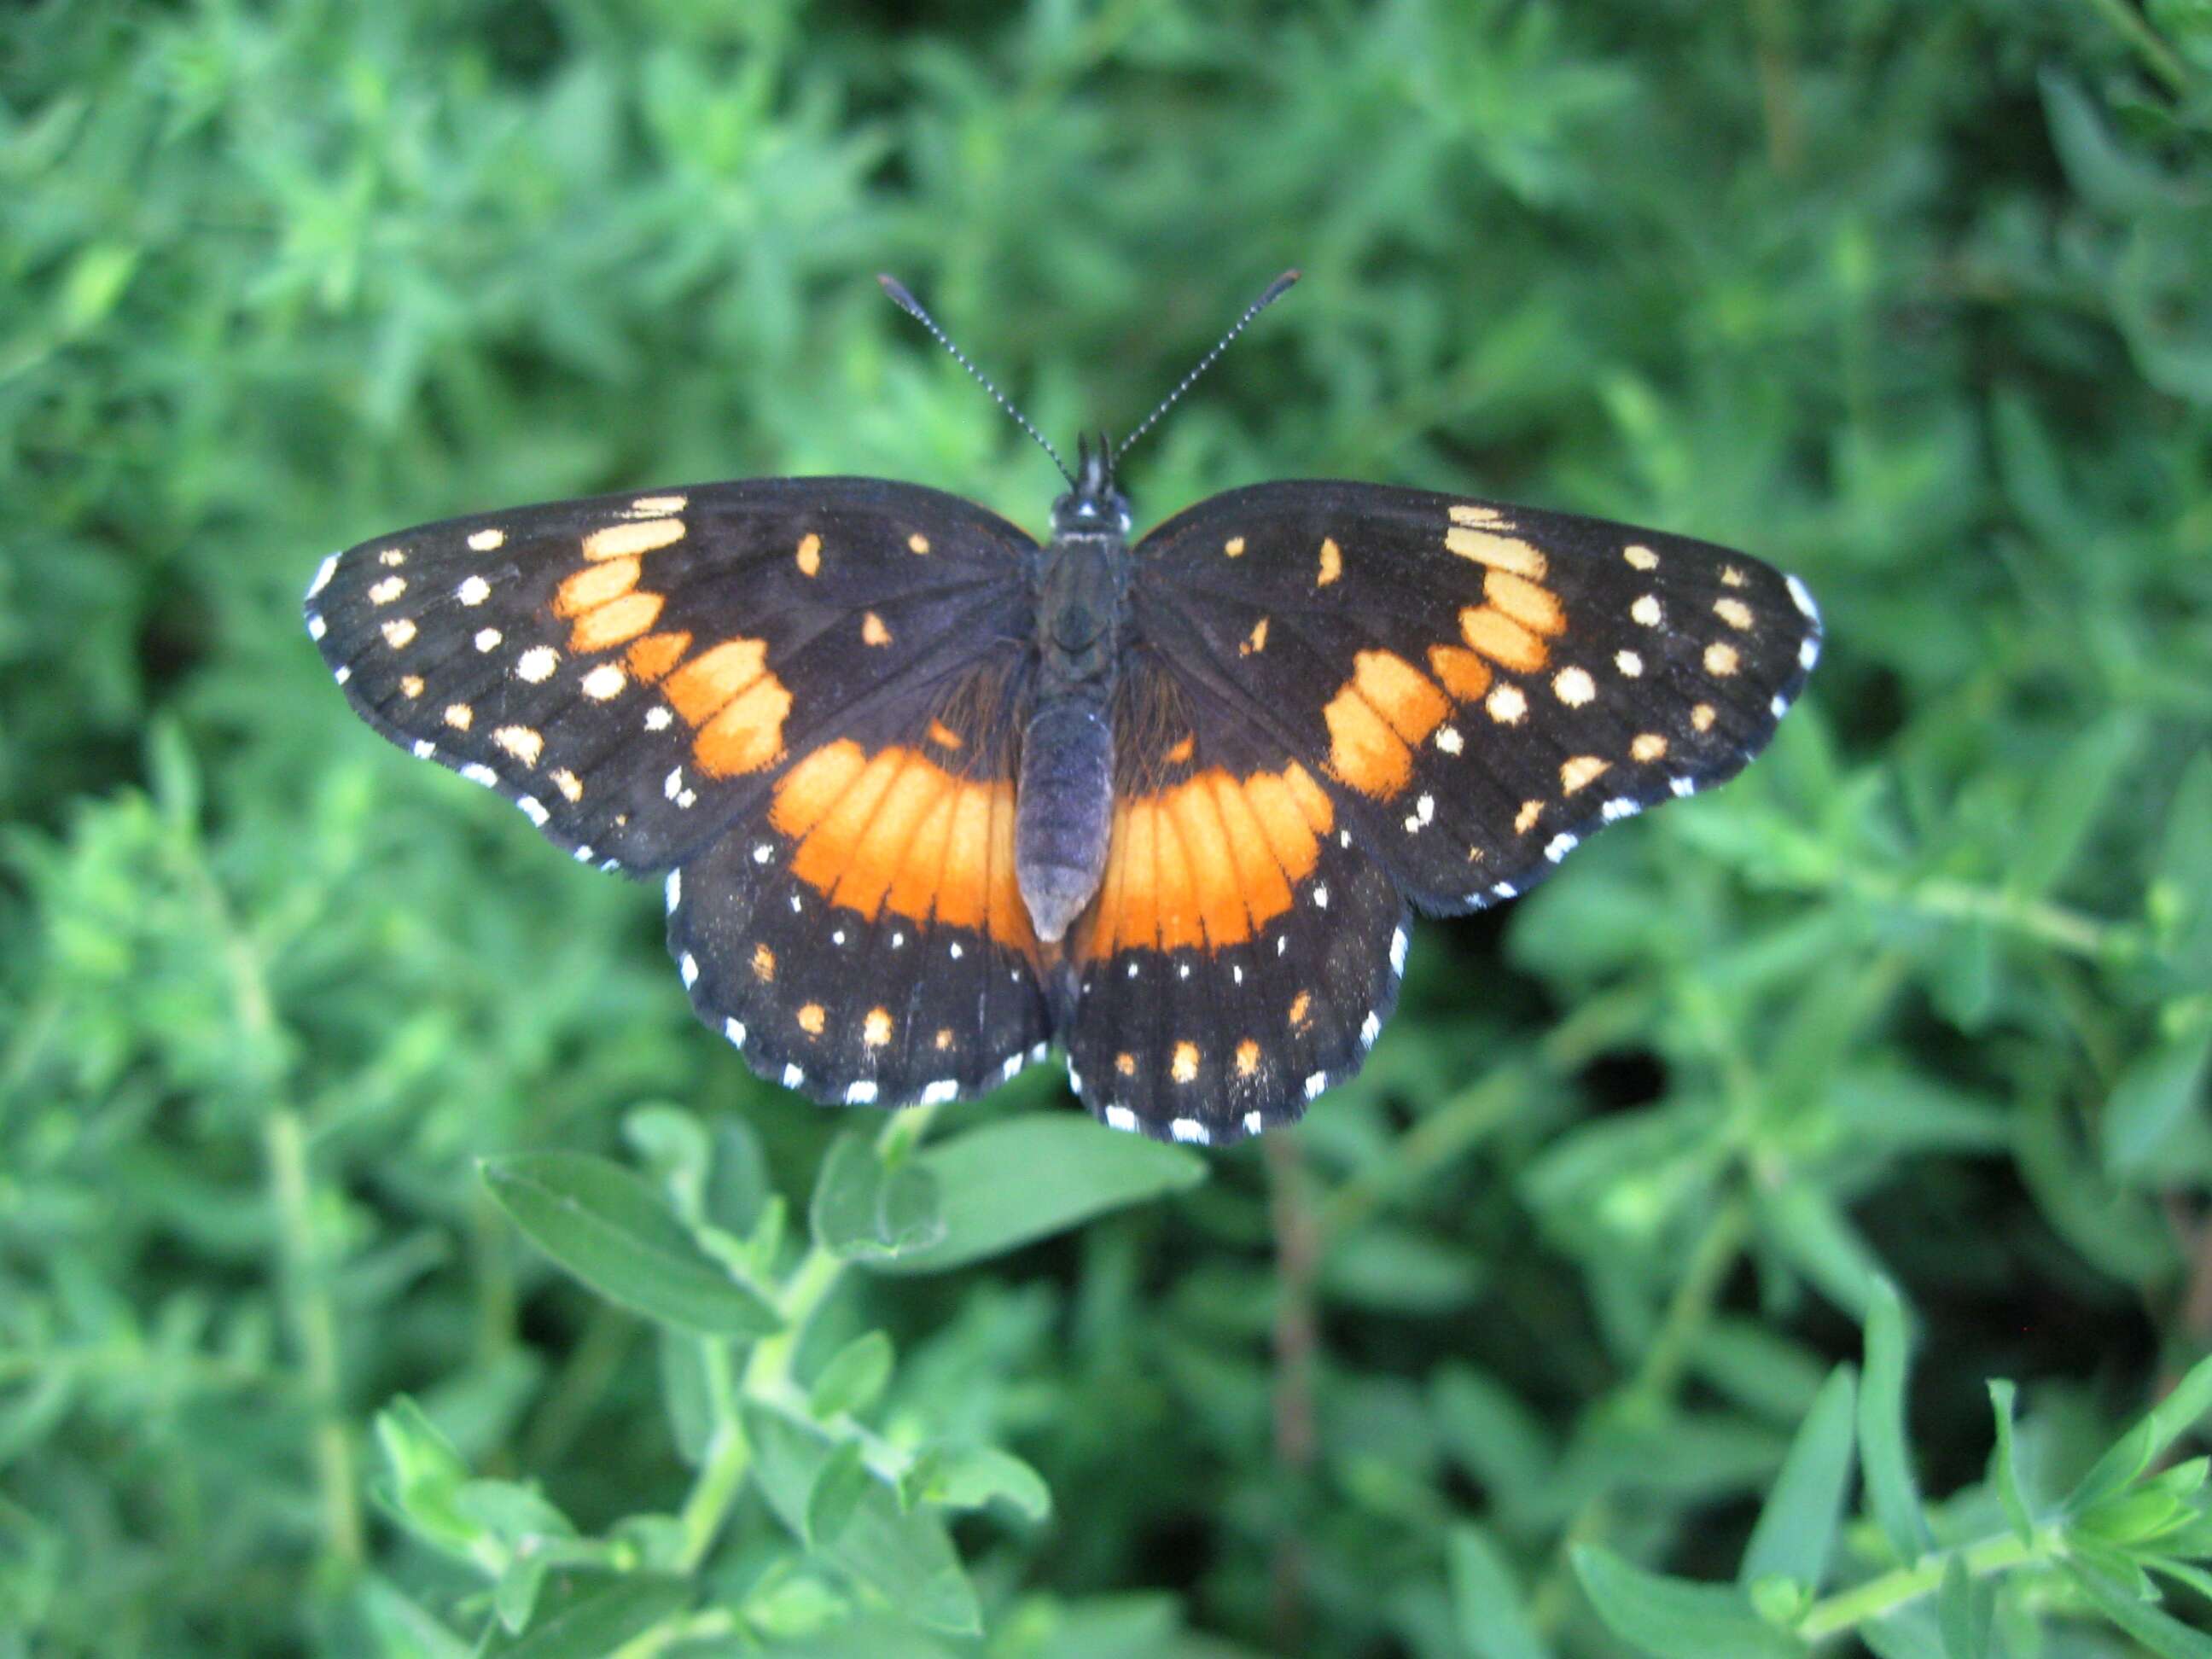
(1909, 297)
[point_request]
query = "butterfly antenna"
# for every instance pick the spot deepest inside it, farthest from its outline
(1275, 291)
(906, 302)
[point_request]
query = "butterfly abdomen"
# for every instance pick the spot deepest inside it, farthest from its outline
(1064, 802)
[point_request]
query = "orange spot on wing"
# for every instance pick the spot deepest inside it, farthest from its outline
(1363, 750)
(1183, 1066)
(1535, 608)
(1332, 562)
(944, 736)
(814, 785)
(872, 631)
(1501, 640)
(1182, 750)
(611, 623)
(748, 734)
(813, 1018)
(1464, 675)
(656, 654)
(763, 964)
(1247, 1058)
(1008, 917)
(1401, 693)
(1486, 547)
(717, 674)
(595, 584)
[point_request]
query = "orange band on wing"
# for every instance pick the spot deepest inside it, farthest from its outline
(1207, 863)
(1385, 707)
(893, 831)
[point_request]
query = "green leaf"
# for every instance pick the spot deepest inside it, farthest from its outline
(1486, 1601)
(2159, 1094)
(1796, 1528)
(589, 1615)
(853, 1378)
(865, 1212)
(1964, 1610)
(612, 1231)
(1892, 1494)
(970, 1477)
(2139, 1448)
(2004, 1465)
(1675, 1618)
(2070, 795)
(839, 1487)
(1025, 1178)
(907, 1559)
(1820, 1241)
(2158, 1631)
(427, 1478)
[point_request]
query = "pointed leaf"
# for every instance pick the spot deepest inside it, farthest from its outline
(1796, 1528)
(2158, 1631)
(1675, 1618)
(2139, 1448)
(1964, 1609)
(2004, 1467)
(1025, 1178)
(855, 1376)
(1487, 1602)
(970, 1477)
(839, 1486)
(588, 1615)
(864, 1211)
(1892, 1494)
(612, 1231)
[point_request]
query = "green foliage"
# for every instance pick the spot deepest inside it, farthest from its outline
(389, 1265)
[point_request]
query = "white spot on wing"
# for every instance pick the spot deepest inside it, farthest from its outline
(475, 590)
(1370, 1029)
(793, 1077)
(735, 1031)
(537, 665)
(1448, 739)
(1188, 1128)
(1121, 1117)
(1315, 1083)
(1560, 845)
(674, 889)
(1252, 1124)
(688, 967)
(323, 573)
(943, 1090)
(1620, 806)
(1398, 951)
(861, 1094)
(1802, 597)
(1684, 788)
(1808, 653)
(316, 626)
(483, 774)
(1779, 706)
(424, 749)
(1505, 890)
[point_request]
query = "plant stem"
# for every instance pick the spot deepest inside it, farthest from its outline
(767, 1373)
(1847, 1610)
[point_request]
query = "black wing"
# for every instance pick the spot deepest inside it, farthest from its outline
(799, 692)
(634, 671)
(1481, 686)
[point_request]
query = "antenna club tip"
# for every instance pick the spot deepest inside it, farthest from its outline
(1275, 289)
(897, 291)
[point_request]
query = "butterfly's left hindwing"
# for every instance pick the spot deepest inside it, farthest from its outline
(635, 670)
(1479, 686)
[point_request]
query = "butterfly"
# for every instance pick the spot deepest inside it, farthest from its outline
(927, 796)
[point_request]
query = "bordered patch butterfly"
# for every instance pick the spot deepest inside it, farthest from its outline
(929, 796)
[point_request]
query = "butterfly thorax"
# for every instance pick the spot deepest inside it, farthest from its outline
(1063, 801)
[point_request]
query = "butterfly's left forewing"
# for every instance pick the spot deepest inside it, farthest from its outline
(1481, 686)
(635, 670)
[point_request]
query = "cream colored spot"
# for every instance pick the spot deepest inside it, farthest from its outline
(487, 541)
(1701, 717)
(917, 543)
(604, 682)
(876, 1029)
(1126, 1064)
(475, 590)
(763, 964)
(810, 554)
(1734, 612)
(943, 1038)
(523, 742)
(1646, 610)
(1301, 1008)
(1721, 660)
(1581, 771)
(1731, 576)
(410, 685)
(1505, 553)
(1257, 642)
(1448, 739)
(1525, 819)
(1628, 663)
(537, 665)
(1234, 547)
(392, 557)
(621, 541)
(1477, 516)
(1574, 687)
(1247, 1058)
(459, 716)
(398, 633)
(873, 629)
(1505, 703)
(488, 639)
(652, 506)
(813, 1018)
(1648, 746)
(1183, 1068)
(571, 786)
(1332, 562)
(387, 590)
(1640, 557)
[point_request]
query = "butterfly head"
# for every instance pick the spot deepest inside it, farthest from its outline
(1094, 506)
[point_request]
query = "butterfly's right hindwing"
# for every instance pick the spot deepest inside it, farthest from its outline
(635, 670)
